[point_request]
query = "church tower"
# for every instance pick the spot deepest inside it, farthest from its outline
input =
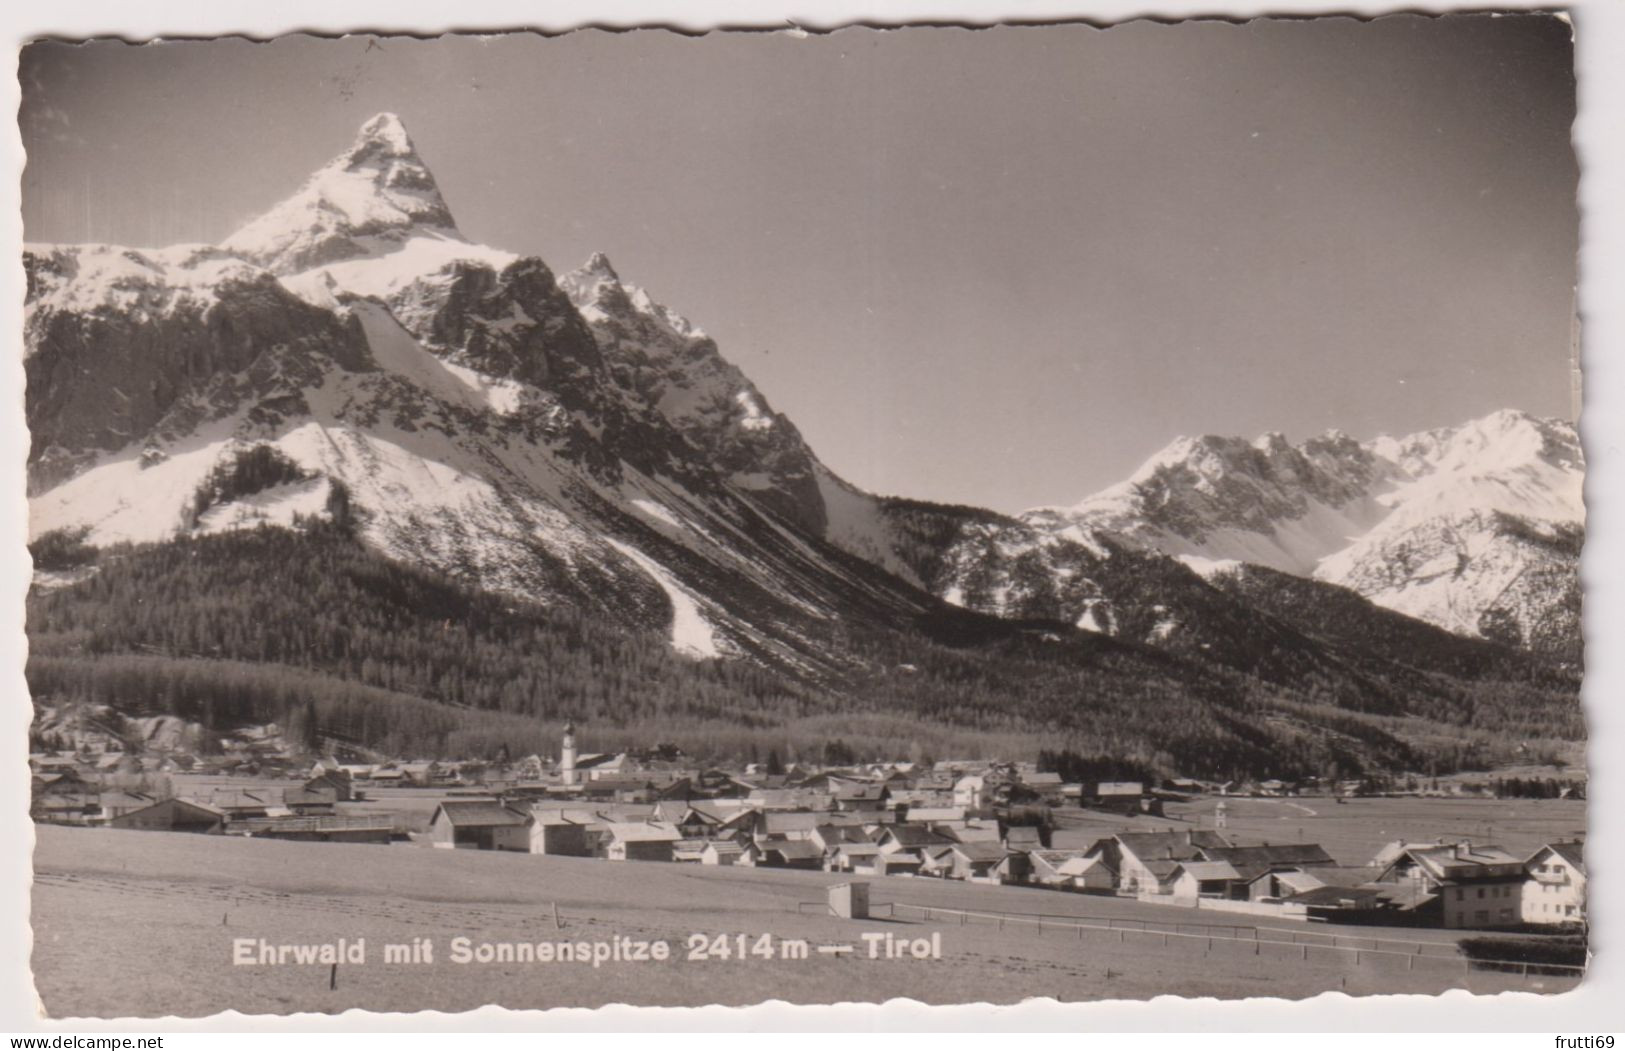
(567, 755)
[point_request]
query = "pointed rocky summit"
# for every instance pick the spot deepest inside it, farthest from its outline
(377, 190)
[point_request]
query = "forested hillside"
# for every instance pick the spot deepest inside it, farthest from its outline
(310, 626)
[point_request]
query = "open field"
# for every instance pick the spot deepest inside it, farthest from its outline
(1352, 832)
(142, 923)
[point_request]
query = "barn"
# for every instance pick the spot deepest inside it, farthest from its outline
(172, 815)
(640, 841)
(479, 824)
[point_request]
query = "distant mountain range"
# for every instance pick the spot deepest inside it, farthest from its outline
(570, 444)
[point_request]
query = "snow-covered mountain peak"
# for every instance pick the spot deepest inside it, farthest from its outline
(376, 191)
(1440, 524)
(600, 267)
(386, 132)
(599, 293)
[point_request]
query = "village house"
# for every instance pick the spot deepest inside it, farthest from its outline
(1024, 838)
(784, 825)
(851, 795)
(1282, 883)
(911, 839)
(310, 801)
(977, 831)
(976, 862)
(900, 864)
(935, 860)
(1142, 860)
(1253, 860)
(971, 792)
(1461, 886)
(66, 808)
(1070, 869)
(1554, 890)
(640, 841)
(561, 832)
(789, 854)
(1189, 881)
(788, 799)
(829, 837)
(336, 780)
(1128, 798)
(709, 819)
(479, 824)
(117, 802)
(421, 774)
(728, 852)
(688, 851)
(1046, 786)
(240, 805)
(853, 857)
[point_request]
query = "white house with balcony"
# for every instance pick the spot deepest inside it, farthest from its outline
(1554, 891)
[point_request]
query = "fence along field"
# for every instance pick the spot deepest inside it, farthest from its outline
(142, 923)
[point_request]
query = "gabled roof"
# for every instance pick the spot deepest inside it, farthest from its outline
(1169, 846)
(836, 834)
(773, 821)
(1277, 854)
(559, 816)
(1297, 881)
(792, 849)
(479, 813)
(979, 852)
(305, 795)
(968, 833)
(940, 813)
(1057, 857)
(178, 804)
(1023, 837)
(1342, 875)
(642, 832)
(1208, 870)
(239, 799)
(1466, 862)
(122, 797)
(1120, 788)
(1573, 853)
(913, 836)
(1077, 866)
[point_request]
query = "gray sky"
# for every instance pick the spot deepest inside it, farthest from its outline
(996, 267)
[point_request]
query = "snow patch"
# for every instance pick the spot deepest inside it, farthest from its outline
(656, 511)
(690, 633)
(754, 419)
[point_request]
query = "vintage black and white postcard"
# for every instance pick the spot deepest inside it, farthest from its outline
(1047, 511)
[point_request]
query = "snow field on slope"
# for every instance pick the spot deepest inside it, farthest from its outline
(691, 634)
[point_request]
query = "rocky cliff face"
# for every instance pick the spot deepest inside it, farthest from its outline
(670, 367)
